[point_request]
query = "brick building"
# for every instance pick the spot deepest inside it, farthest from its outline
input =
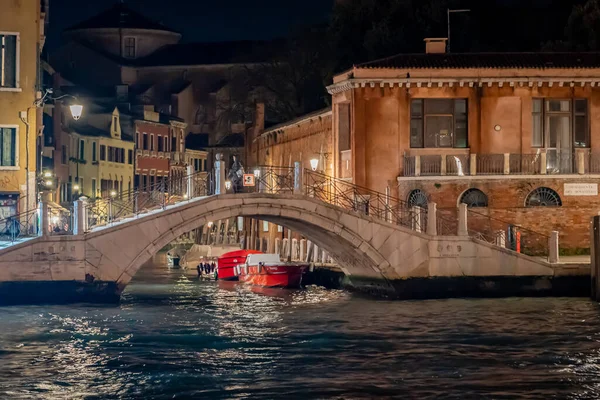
(514, 135)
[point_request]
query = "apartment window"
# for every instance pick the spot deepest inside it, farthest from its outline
(63, 155)
(8, 147)
(122, 151)
(130, 157)
(160, 143)
(9, 60)
(173, 143)
(560, 124)
(94, 155)
(279, 228)
(115, 123)
(82, 149)
(137, 139)
(203, 165)
(265, 226)
(145, 141)
(438, 123)
(129, 47)
(166, 143)
(102, 152)
(151, 142)
(93, 187)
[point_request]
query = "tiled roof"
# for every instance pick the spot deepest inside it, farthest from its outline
(120, 16)
(487, 60)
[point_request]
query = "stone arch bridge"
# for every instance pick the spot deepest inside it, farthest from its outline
(377, 253)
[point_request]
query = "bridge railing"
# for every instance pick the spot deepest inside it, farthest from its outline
(507, 235)
(271, 179)
(165, 192)
(355, 198)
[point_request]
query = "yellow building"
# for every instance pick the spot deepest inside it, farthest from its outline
(100, 157)
(22, 34)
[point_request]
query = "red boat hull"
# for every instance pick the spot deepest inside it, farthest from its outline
(227, 262)
(281, 276)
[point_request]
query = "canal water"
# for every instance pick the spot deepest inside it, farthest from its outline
(176, 337)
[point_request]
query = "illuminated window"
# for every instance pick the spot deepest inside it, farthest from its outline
(438, 123)
(265, 226)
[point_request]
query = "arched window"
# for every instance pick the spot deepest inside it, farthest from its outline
(417, 198)
(543, 197)
(474, 198)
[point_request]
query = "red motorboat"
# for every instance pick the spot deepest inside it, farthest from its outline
(267, 270)
(227, 262)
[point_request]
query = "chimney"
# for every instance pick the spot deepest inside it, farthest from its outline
(435, 45)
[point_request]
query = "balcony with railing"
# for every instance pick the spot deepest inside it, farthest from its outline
(545, 162)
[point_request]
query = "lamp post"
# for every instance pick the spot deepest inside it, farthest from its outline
(448, 13)
(314, 164)
(76, 111)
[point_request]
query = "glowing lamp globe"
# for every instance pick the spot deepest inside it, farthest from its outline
(314, 163)
(76, 110)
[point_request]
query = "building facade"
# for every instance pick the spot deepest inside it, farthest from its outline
(100, 160)
(22, 36)
(515, 136)
(160, 149)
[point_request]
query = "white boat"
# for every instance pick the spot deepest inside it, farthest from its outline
(174, 257)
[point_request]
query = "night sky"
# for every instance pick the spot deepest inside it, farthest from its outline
(202, 20)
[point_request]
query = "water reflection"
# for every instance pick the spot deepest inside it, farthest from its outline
(176, 336)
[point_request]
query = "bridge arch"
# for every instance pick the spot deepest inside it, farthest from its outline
(346, 236)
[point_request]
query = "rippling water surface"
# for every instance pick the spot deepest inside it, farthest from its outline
(176, 337)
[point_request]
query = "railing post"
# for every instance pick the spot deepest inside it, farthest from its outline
(43, 215)
(463, 228)
(79, 217)
(417, 165)
(190, 182)
(543, 163)
(298, 184)
(473, 164)
(443, 164)
(302, 255)
(580, 163)
(388, 211)
(553, 247)
(416, 218)
(501, 238)
(506, 163)
(220, 175)
(432, 219)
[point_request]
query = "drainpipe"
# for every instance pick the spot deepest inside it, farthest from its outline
(24, 116)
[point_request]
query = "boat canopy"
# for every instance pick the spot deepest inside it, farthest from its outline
(254, 259)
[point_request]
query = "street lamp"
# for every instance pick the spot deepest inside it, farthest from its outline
(76, 187)
(227, 185)
(314, 163)
(76, 111)
(257, 173)
(113, 193)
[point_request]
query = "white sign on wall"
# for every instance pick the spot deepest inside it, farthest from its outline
(581, 189)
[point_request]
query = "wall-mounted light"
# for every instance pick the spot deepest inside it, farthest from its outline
(113, 193)
(497, 128)
(210, 224)
(47, 174)
(257, 173)
(76, 188)
(314, 163)
(48, 183)
(227, 185)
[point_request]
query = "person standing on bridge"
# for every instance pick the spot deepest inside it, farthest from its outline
(236, 174)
